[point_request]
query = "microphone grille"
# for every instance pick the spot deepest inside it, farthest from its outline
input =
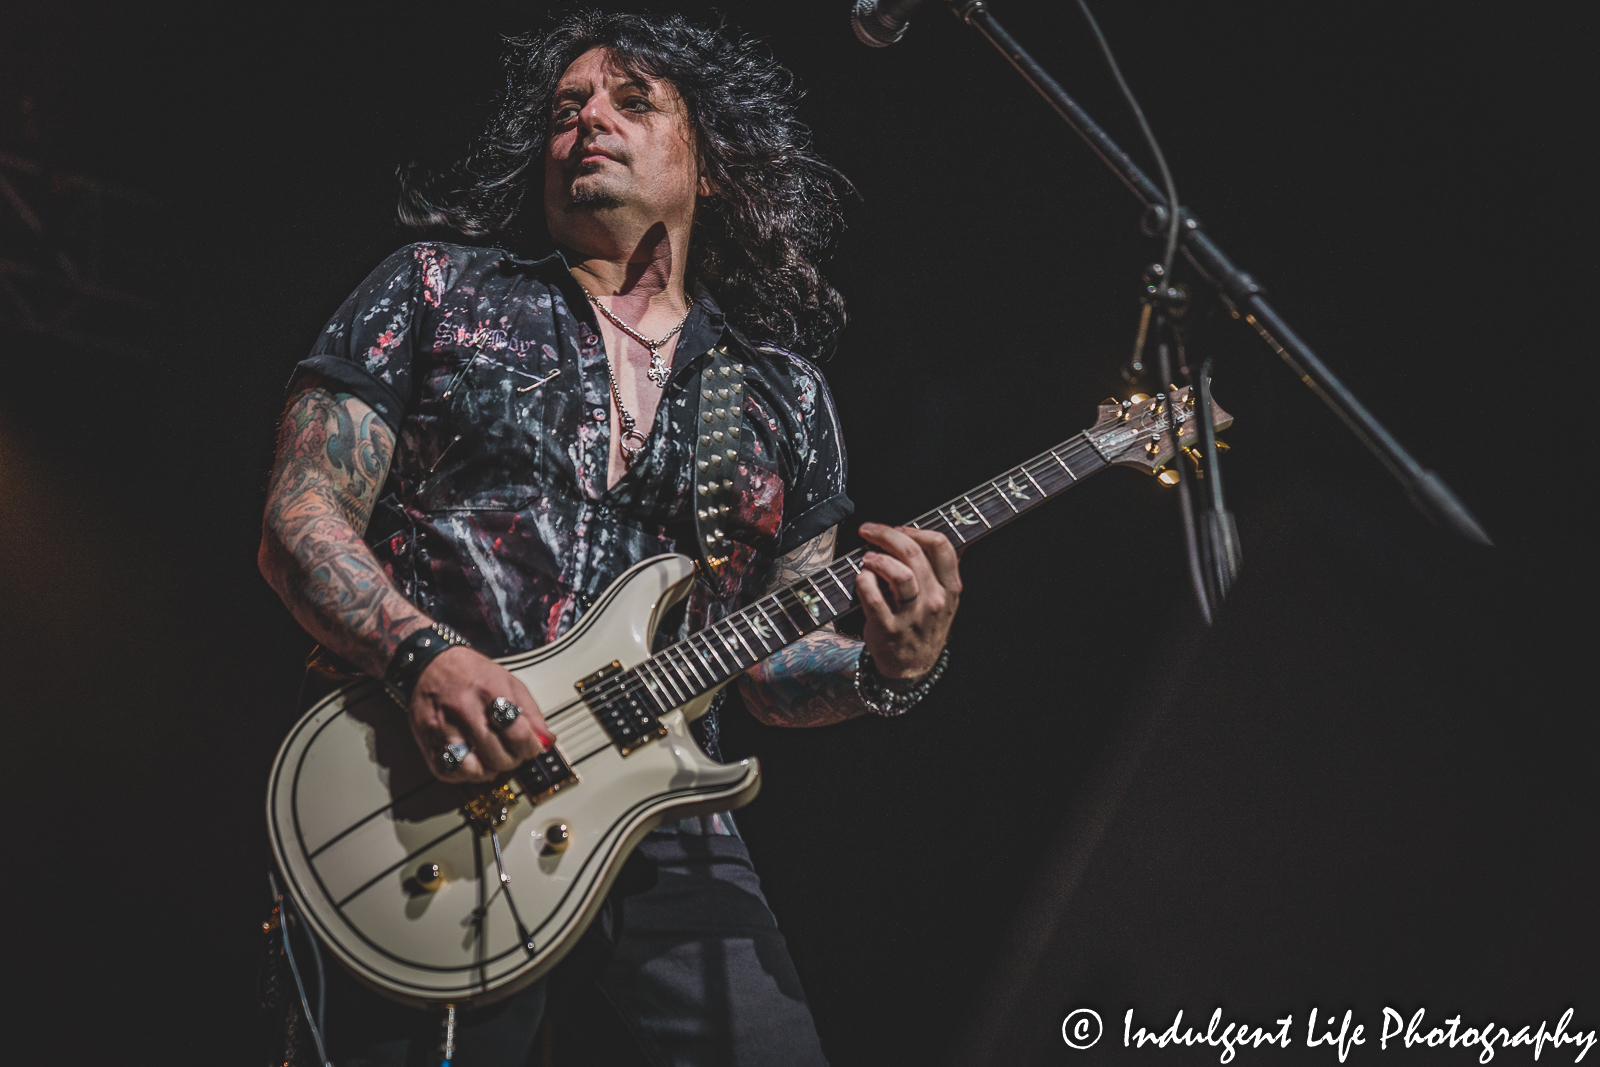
(872, 29)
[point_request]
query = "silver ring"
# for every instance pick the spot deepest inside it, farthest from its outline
(454, 753)
(503, 712)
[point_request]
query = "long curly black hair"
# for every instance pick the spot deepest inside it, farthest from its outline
(757, 243)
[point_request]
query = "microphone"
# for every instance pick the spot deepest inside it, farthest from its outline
(881, 25)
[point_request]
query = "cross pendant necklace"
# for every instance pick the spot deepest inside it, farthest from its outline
(658, 371)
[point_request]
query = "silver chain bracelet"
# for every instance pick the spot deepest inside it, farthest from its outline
(880, 698)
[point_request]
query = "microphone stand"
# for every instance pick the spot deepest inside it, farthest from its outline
(1244, 298)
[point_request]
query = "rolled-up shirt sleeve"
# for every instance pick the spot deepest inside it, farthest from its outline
(815, 498)
(368, 345)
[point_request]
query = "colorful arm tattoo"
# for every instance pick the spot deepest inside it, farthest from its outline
(812, 682)
(333, 454)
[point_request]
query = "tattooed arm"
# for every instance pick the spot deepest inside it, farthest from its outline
(908, 589)
(812, 682)
(333, 454)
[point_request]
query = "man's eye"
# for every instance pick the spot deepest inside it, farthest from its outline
(637, 103)
(565, 114)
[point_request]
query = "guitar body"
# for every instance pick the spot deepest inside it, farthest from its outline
(358, 824)
(354, 815)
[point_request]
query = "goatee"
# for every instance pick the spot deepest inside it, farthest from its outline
(593, 200)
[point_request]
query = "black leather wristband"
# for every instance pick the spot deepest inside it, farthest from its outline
(412, 656)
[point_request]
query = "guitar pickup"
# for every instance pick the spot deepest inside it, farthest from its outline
(622, 711)
(629, 722)
(545, 775)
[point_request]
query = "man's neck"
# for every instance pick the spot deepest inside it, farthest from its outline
(641, 279)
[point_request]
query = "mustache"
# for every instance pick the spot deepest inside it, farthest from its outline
(595, 148)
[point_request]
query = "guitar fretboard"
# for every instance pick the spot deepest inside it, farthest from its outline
(704, 660)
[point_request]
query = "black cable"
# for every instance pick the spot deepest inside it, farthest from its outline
(1149, 139)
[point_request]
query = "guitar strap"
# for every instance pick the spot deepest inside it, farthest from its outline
(718, 444)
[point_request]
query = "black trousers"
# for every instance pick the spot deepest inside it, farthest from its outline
(683, 967)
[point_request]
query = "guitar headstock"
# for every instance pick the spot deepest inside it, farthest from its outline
(1140, 432)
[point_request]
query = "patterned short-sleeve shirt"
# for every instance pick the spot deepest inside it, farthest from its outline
(496, 517)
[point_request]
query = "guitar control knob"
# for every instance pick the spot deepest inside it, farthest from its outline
(430, 877)
(556, 837)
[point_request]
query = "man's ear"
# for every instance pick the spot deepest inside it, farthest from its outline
(704, 186)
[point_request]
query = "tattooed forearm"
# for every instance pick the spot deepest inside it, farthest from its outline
(812, 682)
(811, 556)
(333, 454)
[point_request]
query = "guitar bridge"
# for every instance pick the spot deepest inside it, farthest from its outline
(489, 808)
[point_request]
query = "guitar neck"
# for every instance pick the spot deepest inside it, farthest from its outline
(706, 659)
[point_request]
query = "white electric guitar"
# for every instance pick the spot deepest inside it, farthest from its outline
(433, 893)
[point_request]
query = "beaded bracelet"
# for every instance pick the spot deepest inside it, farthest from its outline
(879, 694)
(412, 656)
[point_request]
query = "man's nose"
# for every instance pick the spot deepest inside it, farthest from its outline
(596, 114)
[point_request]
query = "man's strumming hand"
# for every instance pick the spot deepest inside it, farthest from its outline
(909, 589)
(450, 704)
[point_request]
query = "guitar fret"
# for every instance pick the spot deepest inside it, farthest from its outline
(1002, 493)
(704, 640)
(777, 598)
(954, 527)
(1036, 485)
(729, 647)
(702, 665)
(848, 599)
(977, 509)
(1064, 467)
(772, 625)
(642, 686)
(679, 677)
(733, 624)
(817, 589)
(755, 626)
(668, 686)
(684, 663)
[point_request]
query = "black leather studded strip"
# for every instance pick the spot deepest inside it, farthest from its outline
(718, 444)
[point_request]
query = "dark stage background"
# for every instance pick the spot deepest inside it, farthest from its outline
(1371, 784)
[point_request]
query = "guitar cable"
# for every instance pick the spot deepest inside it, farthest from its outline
(315, 1023)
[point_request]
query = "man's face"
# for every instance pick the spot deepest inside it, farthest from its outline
(619, 146)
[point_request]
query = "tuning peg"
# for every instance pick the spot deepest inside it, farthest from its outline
(1168, 477)
(1153, 446)
(1222, 446)
(1138, 398)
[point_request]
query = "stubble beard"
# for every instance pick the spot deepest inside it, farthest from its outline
(593, 200)
(591, 196)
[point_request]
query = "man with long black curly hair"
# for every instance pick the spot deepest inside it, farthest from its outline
(485, 437)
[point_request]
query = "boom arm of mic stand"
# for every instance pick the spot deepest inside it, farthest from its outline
(1241, 292)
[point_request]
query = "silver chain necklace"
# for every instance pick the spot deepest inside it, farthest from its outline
(630, 431)
(658, 368)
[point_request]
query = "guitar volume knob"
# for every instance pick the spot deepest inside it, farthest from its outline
(430, 876)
